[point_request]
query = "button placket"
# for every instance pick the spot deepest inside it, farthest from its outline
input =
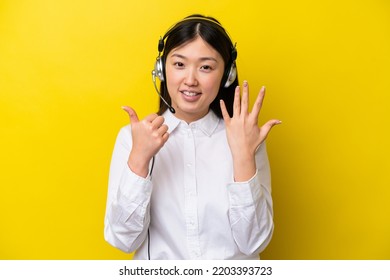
(191, 211)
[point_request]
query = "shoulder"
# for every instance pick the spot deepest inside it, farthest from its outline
(124, 134)
(125, 130)
(262, 148)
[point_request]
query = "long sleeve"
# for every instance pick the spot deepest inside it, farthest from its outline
(191, 208)
(127, 211)
(251, 210)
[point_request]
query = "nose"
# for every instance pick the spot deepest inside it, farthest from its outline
(191, 78)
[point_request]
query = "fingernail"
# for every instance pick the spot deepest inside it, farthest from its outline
(245, 83)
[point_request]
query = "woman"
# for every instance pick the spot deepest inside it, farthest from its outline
(193, 184)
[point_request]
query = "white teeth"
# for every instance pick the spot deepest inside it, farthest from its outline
(189, 93)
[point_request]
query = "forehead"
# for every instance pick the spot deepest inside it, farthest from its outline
(196, 47)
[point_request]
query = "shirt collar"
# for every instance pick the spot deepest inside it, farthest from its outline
(207, 124)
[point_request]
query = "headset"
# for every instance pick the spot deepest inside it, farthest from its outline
(230, 73)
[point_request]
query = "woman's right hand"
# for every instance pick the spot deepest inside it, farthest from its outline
(149, 135)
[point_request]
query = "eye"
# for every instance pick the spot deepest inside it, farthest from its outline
(207, 68)
(178, 64)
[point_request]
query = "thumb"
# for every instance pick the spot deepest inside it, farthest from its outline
(266, 128)
(225, 114)
(132, 114)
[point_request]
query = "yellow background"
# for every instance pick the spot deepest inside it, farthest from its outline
(67, 67)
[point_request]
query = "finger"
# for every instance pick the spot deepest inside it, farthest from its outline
(132, 114)
(151, 117)
(224, 111)
(157, 122)
(245, 98)
(258, 103)
(266, 128)
(165, 137)
(162, 129)
(236, 104)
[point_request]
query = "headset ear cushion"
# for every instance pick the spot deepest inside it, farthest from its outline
(159, 68)
(231, 75)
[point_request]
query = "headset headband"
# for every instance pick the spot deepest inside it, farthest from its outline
(191, 18)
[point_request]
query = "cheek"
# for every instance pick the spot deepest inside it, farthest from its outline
(213, 83)
(172, 77)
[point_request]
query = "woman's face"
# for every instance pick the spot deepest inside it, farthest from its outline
(194, 72)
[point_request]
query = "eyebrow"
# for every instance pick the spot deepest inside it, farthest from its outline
(201, 59)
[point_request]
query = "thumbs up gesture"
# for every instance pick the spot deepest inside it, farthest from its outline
(149, 136)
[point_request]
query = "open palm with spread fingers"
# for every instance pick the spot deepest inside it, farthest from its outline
(148, 136)
(243, 132)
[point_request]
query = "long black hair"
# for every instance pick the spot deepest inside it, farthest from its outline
(211, 31)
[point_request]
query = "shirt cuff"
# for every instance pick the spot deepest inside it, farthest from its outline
(134, 188)
(244, 193)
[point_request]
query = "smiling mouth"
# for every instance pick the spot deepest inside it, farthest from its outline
(190, 93)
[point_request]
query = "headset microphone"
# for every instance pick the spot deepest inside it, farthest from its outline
(158, 92)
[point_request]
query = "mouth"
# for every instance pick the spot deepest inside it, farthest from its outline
(190, 93)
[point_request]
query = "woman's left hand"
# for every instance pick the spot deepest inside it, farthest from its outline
(243, 133)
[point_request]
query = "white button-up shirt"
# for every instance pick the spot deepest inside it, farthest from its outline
(190, 205)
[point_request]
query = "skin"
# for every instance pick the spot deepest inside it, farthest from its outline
(194, 68)
(243, 133)
(194, 72)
